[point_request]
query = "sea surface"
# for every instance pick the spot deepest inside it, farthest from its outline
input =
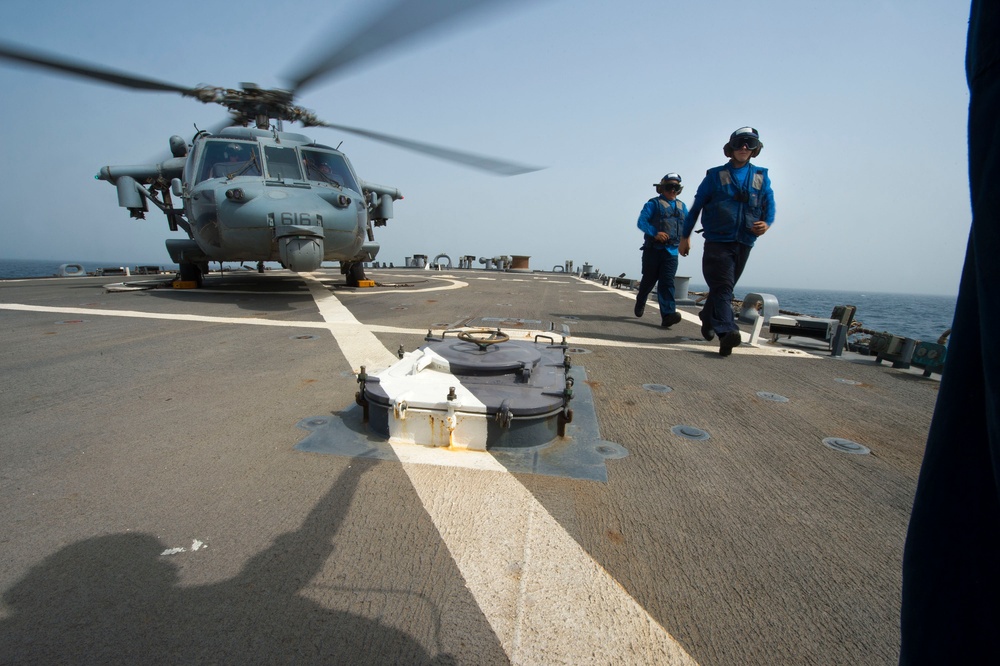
(24, 268)
(917, 316)
(921, 317)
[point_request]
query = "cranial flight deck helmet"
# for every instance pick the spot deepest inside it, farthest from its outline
(747, 135)
(670, 176)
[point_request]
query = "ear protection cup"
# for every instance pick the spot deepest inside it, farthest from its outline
(757, 151)
(727, 150)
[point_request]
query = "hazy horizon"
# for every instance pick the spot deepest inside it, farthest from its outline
(741, 290)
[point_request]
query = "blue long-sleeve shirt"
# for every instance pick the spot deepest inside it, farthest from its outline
(726, 219)
(652, 220)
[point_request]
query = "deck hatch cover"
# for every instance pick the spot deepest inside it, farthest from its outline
(476, 391)
(528, 378)
(582, 454)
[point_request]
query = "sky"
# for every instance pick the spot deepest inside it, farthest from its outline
(861, 105)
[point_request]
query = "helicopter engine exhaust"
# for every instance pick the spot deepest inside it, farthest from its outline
(302, 254)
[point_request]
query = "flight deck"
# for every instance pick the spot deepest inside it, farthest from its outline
(157, 502)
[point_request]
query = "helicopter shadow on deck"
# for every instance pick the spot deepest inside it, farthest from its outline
(275, 293)
(117, 599)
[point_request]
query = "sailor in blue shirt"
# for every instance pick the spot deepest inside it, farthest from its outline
(660, 221)
(738, 206)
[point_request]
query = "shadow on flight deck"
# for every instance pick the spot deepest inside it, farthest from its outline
(116, 599)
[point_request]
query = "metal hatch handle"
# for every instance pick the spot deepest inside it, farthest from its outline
(483, 337)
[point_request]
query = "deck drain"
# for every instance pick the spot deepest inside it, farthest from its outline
(657, 388)
(687, 339)
(689, 432)
(303, 337)
(71, 321)
(773, 397)
(577, 350)
(570, 317)
(399, 307)
(847, 381)
(846, 446)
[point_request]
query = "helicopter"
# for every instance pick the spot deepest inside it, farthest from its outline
(249, 191)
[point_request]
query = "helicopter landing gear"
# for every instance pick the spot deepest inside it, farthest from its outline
(260, 266)
(191, 273)
(355, 272)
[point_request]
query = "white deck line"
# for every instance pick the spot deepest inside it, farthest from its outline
(546, 599)
(377, 328)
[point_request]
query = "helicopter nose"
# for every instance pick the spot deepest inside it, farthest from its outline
(305, 227)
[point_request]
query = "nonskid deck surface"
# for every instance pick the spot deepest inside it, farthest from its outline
(154, 502)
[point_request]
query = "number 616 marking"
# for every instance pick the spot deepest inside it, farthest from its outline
(296, 219)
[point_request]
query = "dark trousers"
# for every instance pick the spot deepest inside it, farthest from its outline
(658, 267)
(722, 265)
(951, 563)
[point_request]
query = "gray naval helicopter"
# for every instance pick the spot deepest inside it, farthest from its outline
(252, 192)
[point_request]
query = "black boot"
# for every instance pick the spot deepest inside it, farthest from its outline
(706, 331)
(728, 341)
(670, 319)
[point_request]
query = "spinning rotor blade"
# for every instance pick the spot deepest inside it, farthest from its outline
(89, 71)
(398, 22)
(491, 164)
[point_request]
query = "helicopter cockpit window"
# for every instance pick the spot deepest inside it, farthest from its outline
(282, 163)
(328, 168)
(225, 158)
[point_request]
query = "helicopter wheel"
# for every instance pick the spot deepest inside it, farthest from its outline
(355, 273)
(191, 273)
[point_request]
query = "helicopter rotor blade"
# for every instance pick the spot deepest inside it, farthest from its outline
(402, 20)
(481, 162)
(89, 71)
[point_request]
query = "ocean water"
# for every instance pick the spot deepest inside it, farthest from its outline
(921, 317)
(916, 316)
(25, 268)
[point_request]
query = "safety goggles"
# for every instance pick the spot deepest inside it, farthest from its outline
(671, 187)
(744, 141)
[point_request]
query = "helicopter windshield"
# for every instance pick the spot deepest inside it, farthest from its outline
(227, 158)
(282, 163)
(328, 168)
